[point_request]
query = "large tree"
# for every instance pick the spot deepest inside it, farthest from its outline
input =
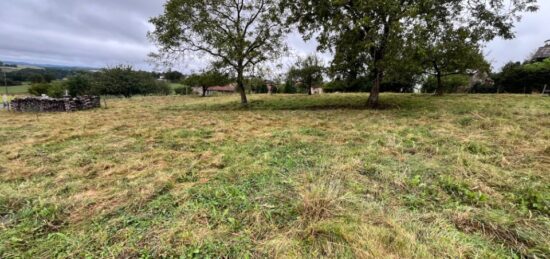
(238, 34)
(381, 27)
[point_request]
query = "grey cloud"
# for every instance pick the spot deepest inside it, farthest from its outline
(108, 32)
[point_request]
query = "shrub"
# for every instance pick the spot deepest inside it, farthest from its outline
(39, 89)
(451, 84)
(80, 84)
(56, 89)
(123, 81)
(481, 88)
(183, 90)
(288, 88)
(159, 88)
(523, 78)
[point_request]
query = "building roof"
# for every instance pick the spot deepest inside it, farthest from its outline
(543, 52)
(225, 88)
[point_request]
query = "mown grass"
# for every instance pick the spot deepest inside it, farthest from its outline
(289, 176)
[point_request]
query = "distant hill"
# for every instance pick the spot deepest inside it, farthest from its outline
(42, 66)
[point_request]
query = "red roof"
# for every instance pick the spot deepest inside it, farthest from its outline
(226, 88)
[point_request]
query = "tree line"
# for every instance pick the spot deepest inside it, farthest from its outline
(116, 81)
(376, 41)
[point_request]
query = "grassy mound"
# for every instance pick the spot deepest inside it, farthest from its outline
(288, 176)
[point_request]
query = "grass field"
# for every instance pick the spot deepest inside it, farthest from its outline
(175, 85)
(16, 90)
(290, 176)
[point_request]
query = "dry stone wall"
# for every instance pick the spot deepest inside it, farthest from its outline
(38, 104)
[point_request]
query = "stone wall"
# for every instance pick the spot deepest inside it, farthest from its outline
(39, 104)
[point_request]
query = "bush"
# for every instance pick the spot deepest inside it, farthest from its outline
(480, 88)
(451, 84)
(57, 89)
(335, 86)
(39, 89)
(123, 81)
(184, 90)
(158, 88)
(288, 88)
(80, 84)
(361, 84)
(523, 78)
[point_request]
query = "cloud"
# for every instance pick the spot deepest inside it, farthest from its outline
(77, 32)
(531, 33)
(108, 32)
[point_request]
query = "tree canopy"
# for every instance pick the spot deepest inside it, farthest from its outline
(235, 34)
(207, 79)
(307, 72)
(376, 31)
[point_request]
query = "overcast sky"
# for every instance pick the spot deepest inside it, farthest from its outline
(98, 33)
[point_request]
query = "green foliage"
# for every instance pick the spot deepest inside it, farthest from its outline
(373, 35)
(124, 81)
(307, 73)
(80, 84)
(41, 75)
(183, 90)
(39, 89)
(442, 49)
(121, 81)
(461, 192)
(57, 89)
(526, 78)
(173, 76)
(450, 84)
(335, 86)
(256, 85)
(36, 76)
(289, 88)
(237, 34)
(207, 79)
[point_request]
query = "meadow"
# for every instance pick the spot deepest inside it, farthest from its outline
(16, 90)
(289, 176)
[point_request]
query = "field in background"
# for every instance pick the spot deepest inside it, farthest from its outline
(16, 90)
(290, 176)
(19, 67)
(175, 85)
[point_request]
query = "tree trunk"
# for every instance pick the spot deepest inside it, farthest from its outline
(379, 53)
(375, 91)
(240, 88)
(204, 89)
(309, 91)
(439, 91)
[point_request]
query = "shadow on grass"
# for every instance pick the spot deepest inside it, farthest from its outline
(309, 103)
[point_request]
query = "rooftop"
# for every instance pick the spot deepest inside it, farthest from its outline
(543, 52)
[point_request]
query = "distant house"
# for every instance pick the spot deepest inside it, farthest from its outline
(271, 86)
(317, 90)
(226, 89)
(480, 77)
(543, 52)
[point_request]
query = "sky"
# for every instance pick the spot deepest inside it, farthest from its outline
(100, 33)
